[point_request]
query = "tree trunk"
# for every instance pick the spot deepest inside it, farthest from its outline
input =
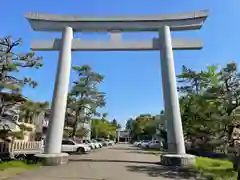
(2, 106)
(238, 178)
(75, 126)
(96, 134)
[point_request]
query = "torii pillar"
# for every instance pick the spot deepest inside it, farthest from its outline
(115, 25)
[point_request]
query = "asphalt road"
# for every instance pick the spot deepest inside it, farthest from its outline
(119, 162)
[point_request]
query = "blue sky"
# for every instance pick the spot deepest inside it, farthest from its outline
(132, 79)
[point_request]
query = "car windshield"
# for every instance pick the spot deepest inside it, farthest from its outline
(78, 141)
(68, 142)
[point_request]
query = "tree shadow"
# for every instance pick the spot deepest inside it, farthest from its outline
(186, 173)
(166, 172)
(121, 148)
(145, 152)
(111, 160)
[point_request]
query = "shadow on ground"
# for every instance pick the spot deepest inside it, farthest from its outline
(144, 152)
(166, 172)
(121, 149)
(110, 160)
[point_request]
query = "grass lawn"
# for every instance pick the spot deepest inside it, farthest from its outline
(212, 169)
(217, 169)
(11, 168)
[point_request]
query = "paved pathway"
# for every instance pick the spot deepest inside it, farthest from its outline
(120, 162)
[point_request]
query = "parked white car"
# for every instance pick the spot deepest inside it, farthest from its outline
(98, 143)
(105, 142)
(69, 145)
(144, 144)
(110, 142)
(91, 144)
(102, 141)
(138, 143)
(154, 144)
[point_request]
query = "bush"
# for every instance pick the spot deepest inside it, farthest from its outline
(18, 134)
(25, 128)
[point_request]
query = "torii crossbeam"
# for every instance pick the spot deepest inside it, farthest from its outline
(115, 45)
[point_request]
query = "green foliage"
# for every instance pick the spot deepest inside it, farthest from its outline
(24, 127)
(143, 125)
(30, 110)
(16, 134)
(12, 62)
(80, 133)
(207, 100)
(84, 97)
(10, 169)
(129, 124)
(67, 132)
(103, 128)
(15, 164)
(4, 133)
(115, 124)
(215, 169)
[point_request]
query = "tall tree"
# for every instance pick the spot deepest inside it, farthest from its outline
(143, 125)
(12, 62)
(30, 110)
(129, 124)
(115, 124)
(207, 100)
(84, 97)
(227, 96)
(103, 128)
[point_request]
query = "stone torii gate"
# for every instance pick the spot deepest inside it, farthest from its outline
(68, 24)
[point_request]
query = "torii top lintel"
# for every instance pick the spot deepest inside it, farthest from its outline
(177, 22)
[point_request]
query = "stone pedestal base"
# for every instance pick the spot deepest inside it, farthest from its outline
(53, 159)
(182, 160)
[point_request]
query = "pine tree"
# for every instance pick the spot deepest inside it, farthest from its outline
(84, 97)
(11, 63)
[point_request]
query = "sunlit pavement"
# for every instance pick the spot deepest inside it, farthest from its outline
(119, 162)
